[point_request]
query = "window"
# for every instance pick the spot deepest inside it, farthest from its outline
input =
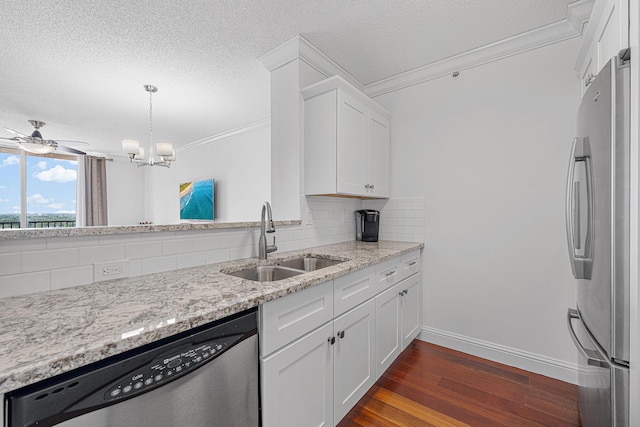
(37, 190)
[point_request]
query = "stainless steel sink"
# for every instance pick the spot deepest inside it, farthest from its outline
(308, 263)
(283, 269)
(265, 273)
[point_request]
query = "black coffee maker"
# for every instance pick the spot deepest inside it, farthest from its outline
(367, 225)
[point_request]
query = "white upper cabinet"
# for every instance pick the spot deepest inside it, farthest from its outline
(607, 33)
(347, 141)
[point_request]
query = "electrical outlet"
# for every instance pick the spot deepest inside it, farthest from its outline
(110, 270)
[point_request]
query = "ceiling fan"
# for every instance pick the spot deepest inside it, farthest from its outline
(38, 145)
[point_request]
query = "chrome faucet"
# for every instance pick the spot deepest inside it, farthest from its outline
(263, 248)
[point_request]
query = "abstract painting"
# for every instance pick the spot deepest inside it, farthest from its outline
(196, 200)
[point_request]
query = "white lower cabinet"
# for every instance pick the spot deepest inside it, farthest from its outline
(410, 308)
(387, 328)
(297, 382)
(397, 320)
(354, 369)
(324, 347)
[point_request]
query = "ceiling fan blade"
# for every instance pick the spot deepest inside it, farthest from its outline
(10, 139)
(66, 142)
(16, 133)
(69, 150)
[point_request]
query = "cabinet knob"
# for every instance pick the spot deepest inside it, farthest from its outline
(367, 186)
(340, 334)
(331, 340)
(372, 186)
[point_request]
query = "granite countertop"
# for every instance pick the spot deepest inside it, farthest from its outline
(46, 334)
(37, 233)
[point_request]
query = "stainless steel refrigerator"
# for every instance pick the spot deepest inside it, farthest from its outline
(597, 209)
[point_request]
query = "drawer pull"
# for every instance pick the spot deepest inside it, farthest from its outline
(390, 273)
(331, 340)
(412, 263)
(340, 334)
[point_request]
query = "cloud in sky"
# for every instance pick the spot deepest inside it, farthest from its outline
(57, 174)
(42, 164)
(11, 160)
(4, 200)
(39, 199)
(65, 211)
(56, 205)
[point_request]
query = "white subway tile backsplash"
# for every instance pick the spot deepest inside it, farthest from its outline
(69, 277)
(243, 252)
(165, 235)
(67, 261)
(215, 256)
(72, 242)
(49, 259)
(135, 268)
(177, 246)
(10, 264)
(103, 253)
(159, 264)
(143, 250)
(114, 239)
(21, 284)
(190, 260)
(206, 243)
(7, 246)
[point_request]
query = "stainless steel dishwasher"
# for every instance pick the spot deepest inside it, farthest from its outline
(204, 377)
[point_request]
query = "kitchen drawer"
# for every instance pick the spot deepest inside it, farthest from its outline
(411, 264)
(288, 318)
(353, 289)
(387, 274)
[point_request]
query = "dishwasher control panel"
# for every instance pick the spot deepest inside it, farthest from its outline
(165, 368)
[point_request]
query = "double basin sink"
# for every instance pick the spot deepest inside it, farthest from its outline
(284, 269)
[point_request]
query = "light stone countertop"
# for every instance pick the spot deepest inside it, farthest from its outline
(46, 334)
(36, 233)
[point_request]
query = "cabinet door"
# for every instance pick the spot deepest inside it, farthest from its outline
(410, 308)
(379, 155)
(387, 328)
(351, 145)
(354, 357)
(297, 382)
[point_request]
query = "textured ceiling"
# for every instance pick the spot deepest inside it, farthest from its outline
(80, 65)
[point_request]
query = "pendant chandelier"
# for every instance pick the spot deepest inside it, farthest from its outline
(164, 150)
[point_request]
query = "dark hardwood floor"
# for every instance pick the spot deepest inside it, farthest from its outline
(430, 385)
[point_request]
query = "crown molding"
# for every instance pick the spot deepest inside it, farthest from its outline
(300, 48)
(578, 14)
(534, 39)
(216, 138)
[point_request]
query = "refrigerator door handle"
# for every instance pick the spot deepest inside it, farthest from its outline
(590, 355)
(580, 256)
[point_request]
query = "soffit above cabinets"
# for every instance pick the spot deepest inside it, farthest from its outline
(81, 66)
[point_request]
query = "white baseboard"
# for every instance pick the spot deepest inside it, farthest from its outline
(532, 362)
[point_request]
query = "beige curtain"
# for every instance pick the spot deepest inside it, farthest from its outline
(95, 196)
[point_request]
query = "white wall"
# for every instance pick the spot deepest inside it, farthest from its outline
(488, 152)
(125, 193)
(239, 164)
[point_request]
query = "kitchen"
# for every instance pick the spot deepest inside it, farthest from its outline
(494, 245)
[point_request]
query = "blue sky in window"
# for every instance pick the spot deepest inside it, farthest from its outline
(51, 184)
